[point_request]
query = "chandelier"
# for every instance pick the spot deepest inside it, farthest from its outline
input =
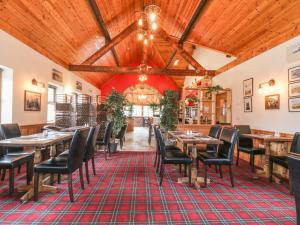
(143, 78)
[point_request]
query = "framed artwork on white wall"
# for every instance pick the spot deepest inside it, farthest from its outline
(294, 74)
(248, 104)
(248, 87)
(294, 89)
(294, 104)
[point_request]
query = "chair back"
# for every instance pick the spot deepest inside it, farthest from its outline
(103, 126)
(122, 132)
(295, 147)
(10, 131)
(214, 132)
(76, 152)
(161, 143)
(156, 135)
(89, 144)
(229, 137)
(108, 132)
(244, 141)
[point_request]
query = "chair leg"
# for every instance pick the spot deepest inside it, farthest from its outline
(180, 168)
(70, 187)
(93, 166)
(237, 157)
(105, 149)
(271, 170)
(11, 182)
(205, 175)
(231, 176)
(51, 179)
(158, 164)
(185, 170)
(155, 159)
(36, 187)
(190, 174)
(59, 178)
(252, 163)
(220, 170)
(81, 177)
(162, 171)
(291, 185)
(3, 174)
(87, 172)
(216, 168)
(19, 169)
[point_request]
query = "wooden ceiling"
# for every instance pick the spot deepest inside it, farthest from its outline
(68, 33)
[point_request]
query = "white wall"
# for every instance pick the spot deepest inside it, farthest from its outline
(270, 64)
(27, 64)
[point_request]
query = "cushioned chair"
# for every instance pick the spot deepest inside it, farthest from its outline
(171, 157)
(246, 145)
(294, 167)
(283, 160)
(10, 162)
(60, 165)
(224, 156)
(121, 135)
(106, 141)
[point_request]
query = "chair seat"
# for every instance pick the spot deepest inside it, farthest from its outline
(19, 152)
(213, 158)
(255, 151)
(281, 160)
(207, 155)
(171, 148)
(64, 154)
(175, 157)
(12, 161)
(54, 165)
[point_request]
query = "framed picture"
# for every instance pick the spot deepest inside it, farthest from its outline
(57, 76)
(294, 89)
(272, 101)
(248, 87)
(78, 85)
(294, 74)
(32, 101)
(248, 104)
(294, 104)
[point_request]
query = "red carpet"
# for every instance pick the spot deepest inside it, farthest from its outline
(126, 191)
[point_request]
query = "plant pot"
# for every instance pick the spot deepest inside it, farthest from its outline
(113, 147)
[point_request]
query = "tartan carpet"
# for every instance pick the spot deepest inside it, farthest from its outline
(126, 191)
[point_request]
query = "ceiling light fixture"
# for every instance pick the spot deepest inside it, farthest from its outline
(176, 62)
(154, 26)
(145, 42)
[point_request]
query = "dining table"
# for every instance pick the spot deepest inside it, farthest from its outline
(194, 139)
(267, 139)
(38, 142)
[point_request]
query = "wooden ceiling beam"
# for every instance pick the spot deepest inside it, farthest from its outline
(188, 29)
(180, 50)
(103, 28)
(137, 70)
(109, 45)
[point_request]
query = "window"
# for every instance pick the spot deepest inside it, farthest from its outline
(148, 112)
(51, 103)
(137, 110)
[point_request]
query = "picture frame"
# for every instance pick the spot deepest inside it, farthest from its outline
(57, 76)
(294, 89)
(248, 87)
(32, 101)
(272, 102)
(248, 104)
(294, 104)
(78, 85)
(294, 74)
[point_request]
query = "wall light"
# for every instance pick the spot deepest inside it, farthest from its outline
(267, 87)
(39, 85)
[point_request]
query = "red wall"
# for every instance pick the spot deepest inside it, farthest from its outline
(121, 82)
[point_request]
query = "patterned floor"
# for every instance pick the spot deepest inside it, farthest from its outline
(126, 191)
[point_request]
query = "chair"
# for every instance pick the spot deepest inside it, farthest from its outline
(106, 140)
(294, 167)
(121, 135)
(224, 156)
(10, 162)
(283, 160)
(246, 145)
(60, 165)
(172, 157)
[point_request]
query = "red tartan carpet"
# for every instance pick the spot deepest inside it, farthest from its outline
(126, 191)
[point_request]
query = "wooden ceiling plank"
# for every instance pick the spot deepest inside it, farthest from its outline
(136, 70)
(101, 23)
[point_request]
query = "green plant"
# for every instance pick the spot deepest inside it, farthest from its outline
(214, 89)
(170, 108)
(191, 99)
(130, 108)
(115, 103)
(154, 107)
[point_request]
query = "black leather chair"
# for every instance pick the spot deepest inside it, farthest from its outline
(10, 162)
(61, 165)
(246, 145)
(171, 157)
(121, 135)
(224, 156)
(283, 160)
(106, 141)
(294, 168)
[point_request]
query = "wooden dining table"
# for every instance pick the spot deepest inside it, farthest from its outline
(267, 140)
(194, 139)
(38, 142)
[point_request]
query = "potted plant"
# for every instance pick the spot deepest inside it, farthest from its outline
(154, 107)
(130, 109)
(212, 89)
(170, 108)
(191, 100)
(115, 104)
